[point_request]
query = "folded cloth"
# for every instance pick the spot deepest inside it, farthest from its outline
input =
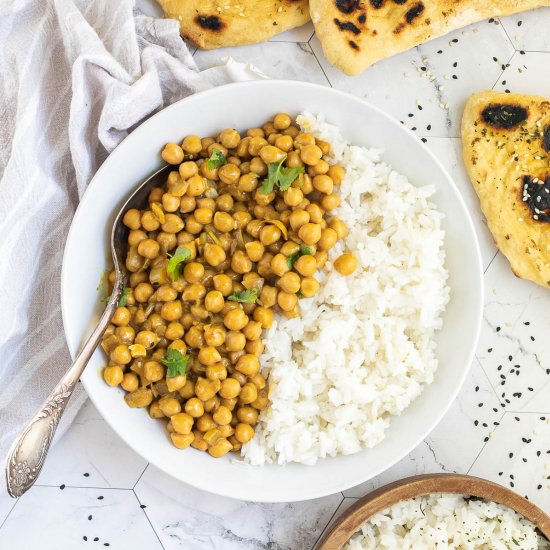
(77, 77)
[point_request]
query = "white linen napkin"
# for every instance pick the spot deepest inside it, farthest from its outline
(77, 77)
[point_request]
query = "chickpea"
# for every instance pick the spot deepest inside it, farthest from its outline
(247, 415)
(310, 233)
(132, 219)
(229, 138)
(262, 401)
(182, 422)
(136, 236)
(306, 265)
(153, 371)
(328, 239)
(166, 293)
(216, 372)
(255, 145)
(205, 389)
(287, 301)
(172, 153)
(125, 334)
(284, 143)
(339, 226)
(293, 196)
(310, 154)
(142, 397)
(281, 121)
(206, 143)
(173, 224)
(222, 416)
(192, 144)
(258, 167)
(220, 448)
(255, 347)
(214, 254)
(321, 258)
(270, 154)
(244, 432)
(214, 301)
(147, 339)
(205, 423)
(198, 441)
(254, 132)
(167, 241)
(134, 262)
(175, 383)
(113, 375)
(320, 168)
(212, 404)
(269, 234)
(121, 316)
(248, 364)
(264, 316)
(289, 282)
(188, 390)
(194, 337)
(253, 330)
(323, 183)
(149, 221)
(235, 341)
(337, 173)
(259, 381)
(130, 381)
(209, 355)
(154, 410)
(330, 202)
(182, 441)
(255, 250)
(224, 203)
(223, 283)
(224, 222)
(188, 169)
(170, 406)
(193, 272)
(298, 218)
(345, 264)
(193, 292)
(309, 286)
(194, 407)
(121, 355)
(171, 311)
(230, 388)
(268, 296)
(229, 173)
(301, 140)
(240, 262)
(235, 319)
(249, 393)
(187, 204)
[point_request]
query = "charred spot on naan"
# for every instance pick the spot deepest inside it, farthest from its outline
(546, 138)
(411, 15)
(504, 116)
(347, 26)
(210, 22)
(347, 6)
(535, 194)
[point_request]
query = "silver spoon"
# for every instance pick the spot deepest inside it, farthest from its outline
(28, 452)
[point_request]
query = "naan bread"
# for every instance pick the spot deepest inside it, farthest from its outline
(211, 24)
(506, 145)
(357, 33)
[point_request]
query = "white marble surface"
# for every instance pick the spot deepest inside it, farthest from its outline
(96, 491)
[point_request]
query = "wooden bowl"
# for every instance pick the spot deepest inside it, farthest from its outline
(357, 515)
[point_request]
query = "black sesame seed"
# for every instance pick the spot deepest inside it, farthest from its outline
(439, 51)
(476, 422)
(413, 128)
(516, 418)
(499, 367)
(100, 498)
(511, 483)
(524, 459)
(511, 476)
(532, 338)
(429, 127)
(455, 77)
(485, 439)
(62, 486)
(495, 59)
(410, 115)
(529, 388)
(527, 323)
(519, 23)
(538, 453)
(89, 517)
(424, 140)
(521, 52)
(85, 537)
(543, 418)
(500, 473)
(510, 455)
(455, 40)
(509, 357)
(455, 64)
(490, 350)
(498, 329)
(480, 405)
(419, 107)
(539, 487)
(96, 539)
(86, 474)
(142, 506)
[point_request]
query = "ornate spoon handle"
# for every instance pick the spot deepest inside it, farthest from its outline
(28, 452)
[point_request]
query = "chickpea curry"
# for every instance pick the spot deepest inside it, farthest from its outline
(236, 234)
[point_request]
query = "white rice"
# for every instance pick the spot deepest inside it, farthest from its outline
(363, 347)
(445, 521)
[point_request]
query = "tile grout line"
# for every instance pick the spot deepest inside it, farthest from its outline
(330, 519)
(489, 380)
(320, 66)
(85, 487)
(490, 263)
(148, 519)
(506, 33)
(484, 445)
(9, 513)
(140, 476)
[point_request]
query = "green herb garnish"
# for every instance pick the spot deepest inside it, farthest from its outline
(245, 296)
(217, 159)
(280, 176)
(123, 297)
(303, 251)
(175, 362)
(174, 268)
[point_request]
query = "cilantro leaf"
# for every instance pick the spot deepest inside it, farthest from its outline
(174, 268)
(279, 176)
(175, 363)
(217, 159)
(123, 297)
(291, 258)
(245, 296)
(288, 175)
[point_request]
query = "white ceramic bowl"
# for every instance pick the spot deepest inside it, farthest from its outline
(242, 106)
